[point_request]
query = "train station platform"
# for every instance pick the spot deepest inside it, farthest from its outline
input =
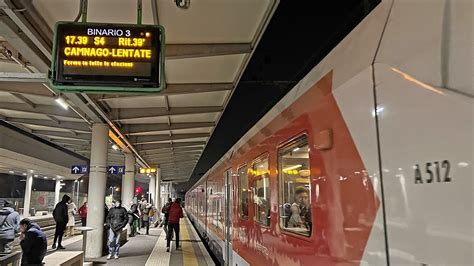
(151, 249)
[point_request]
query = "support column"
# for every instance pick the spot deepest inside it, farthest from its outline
(152, 189)
(158, 201)
(26, 202)
(128, 180)
(57, 189)
(96, 193)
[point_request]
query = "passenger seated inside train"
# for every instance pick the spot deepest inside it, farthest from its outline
(295, 177)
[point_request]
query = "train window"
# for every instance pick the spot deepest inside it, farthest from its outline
(261, 192)
(295, 189)
(243, 192)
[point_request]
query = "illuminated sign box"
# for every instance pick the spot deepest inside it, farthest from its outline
(97, 57)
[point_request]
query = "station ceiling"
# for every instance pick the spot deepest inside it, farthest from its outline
(208, 48)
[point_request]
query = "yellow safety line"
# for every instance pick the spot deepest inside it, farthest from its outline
(189, 258)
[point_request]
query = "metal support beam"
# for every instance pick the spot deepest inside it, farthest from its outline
(80, 126)
(11, 32)
(134, 113)
(79, 147)
(169, 145)
(35, 89)
(69, 141)
(131, 129)
(172, 159)
(25, 26)
(173, 150)
(170, 90)
(54, 119)
(177, 173)
(170, 165)
(173, 155)
(150, 139)
(23, 99)
(179, 51)
(171, 162)
(168, 154)
(67, 135)
(39, 109)
(23, 77)
(179, 163)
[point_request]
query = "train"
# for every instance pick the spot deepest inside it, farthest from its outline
(367, 160)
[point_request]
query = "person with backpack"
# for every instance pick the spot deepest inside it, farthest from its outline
(117, 219)
(175, 212)
(60, 215)
(9, 226)
(33, 243)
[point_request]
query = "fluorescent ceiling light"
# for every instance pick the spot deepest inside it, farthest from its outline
(292, 167)
(59, 100)
(115, 147)
(296, 149)
(11, 172)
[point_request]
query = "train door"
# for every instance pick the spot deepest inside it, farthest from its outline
(228, 217)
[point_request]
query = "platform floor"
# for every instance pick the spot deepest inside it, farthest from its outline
(151, 249)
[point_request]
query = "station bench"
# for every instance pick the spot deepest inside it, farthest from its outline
(65, 258)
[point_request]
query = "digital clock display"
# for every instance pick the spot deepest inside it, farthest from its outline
(107, 54)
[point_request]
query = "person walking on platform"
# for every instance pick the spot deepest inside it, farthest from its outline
(133, 219)
(71, 213)
(9, 226)
(83, 213)
(33, 243)
(117, 219)
(175, 213)
(165, 210)
(142, 205)
(60, 215)
(146, 217)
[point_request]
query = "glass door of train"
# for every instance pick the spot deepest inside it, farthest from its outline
(228, 216)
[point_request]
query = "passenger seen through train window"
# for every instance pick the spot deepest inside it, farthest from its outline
(243, 192)
(261, 195)
(295, 193)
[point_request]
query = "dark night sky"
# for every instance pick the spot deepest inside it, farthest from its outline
(297, 38)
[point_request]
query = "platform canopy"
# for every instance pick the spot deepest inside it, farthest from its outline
(208, 46)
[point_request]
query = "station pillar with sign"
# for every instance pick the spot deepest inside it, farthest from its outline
(97, 187)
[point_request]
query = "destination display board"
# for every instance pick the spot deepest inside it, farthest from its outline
(108, 57)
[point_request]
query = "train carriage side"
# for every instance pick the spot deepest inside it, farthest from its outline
(374, 146)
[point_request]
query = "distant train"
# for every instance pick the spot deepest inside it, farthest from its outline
(368, 160)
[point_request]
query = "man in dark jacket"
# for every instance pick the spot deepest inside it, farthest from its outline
(175, 212)
(117, 219)
(33, 243)
(9, 226)
(61, 218)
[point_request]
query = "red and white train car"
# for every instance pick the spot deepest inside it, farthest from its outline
(368, 160)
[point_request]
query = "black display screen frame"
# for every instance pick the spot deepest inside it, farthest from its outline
(150, 81)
